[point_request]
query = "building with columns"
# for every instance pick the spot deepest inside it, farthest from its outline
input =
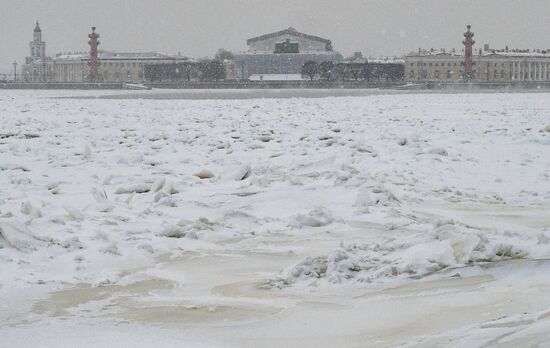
(74, 67)
(488, 66)
(282, 53)
(113, 66)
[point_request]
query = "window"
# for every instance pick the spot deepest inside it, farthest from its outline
(412, 74)
(436, 74)
(448, 74)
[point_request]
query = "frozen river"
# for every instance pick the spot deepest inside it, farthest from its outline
(259, 219)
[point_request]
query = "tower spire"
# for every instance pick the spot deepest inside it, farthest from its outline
(38, 47)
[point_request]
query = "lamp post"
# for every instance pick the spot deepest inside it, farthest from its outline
(14, 71)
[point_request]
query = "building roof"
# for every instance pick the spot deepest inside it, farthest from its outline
(436, 53)
(518, 53)
(133, 55)
(291, 32)
(276, 77)
(107, 55)
(486, 53)
(380, 60)
(312, 53)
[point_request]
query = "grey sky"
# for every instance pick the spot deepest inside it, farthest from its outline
(198, 27)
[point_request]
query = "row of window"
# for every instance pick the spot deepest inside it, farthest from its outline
(437, 64)
(437, 75)
(489, 64)
(495, 75)
(121, 65)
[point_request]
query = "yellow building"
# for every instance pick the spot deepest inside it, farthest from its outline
(114, 67)
(489, 66)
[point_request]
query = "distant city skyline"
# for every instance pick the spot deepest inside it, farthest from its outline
(197, 28)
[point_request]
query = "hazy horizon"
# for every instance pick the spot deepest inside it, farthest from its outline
(197, 28)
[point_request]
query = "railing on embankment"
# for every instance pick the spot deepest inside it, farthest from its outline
(61, 85)
(429, 85)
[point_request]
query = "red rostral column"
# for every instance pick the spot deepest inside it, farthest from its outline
(468, 56)
(94, 60)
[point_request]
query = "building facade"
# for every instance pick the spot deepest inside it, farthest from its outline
(488, 66)
(282, 53)
(74, 67)
(113, 67)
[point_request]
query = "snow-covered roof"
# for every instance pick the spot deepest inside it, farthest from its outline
(436, 53)
(276, 77)
(518, 53)
(312, 53)
(379, 60)
(485, 53)
(287, 32)
(107, 55)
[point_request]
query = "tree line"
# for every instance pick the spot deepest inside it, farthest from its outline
(204, 70)
(330, 71)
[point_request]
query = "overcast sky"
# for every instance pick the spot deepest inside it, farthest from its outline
(196, 28)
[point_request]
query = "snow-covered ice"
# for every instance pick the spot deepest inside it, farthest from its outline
(374, 220)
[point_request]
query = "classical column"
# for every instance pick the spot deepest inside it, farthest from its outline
(520, 71)
(468, 53)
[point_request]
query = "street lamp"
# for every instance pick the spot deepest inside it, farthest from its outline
(14, 71)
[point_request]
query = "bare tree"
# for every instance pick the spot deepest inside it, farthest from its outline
(223, 55)
(310, 70)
